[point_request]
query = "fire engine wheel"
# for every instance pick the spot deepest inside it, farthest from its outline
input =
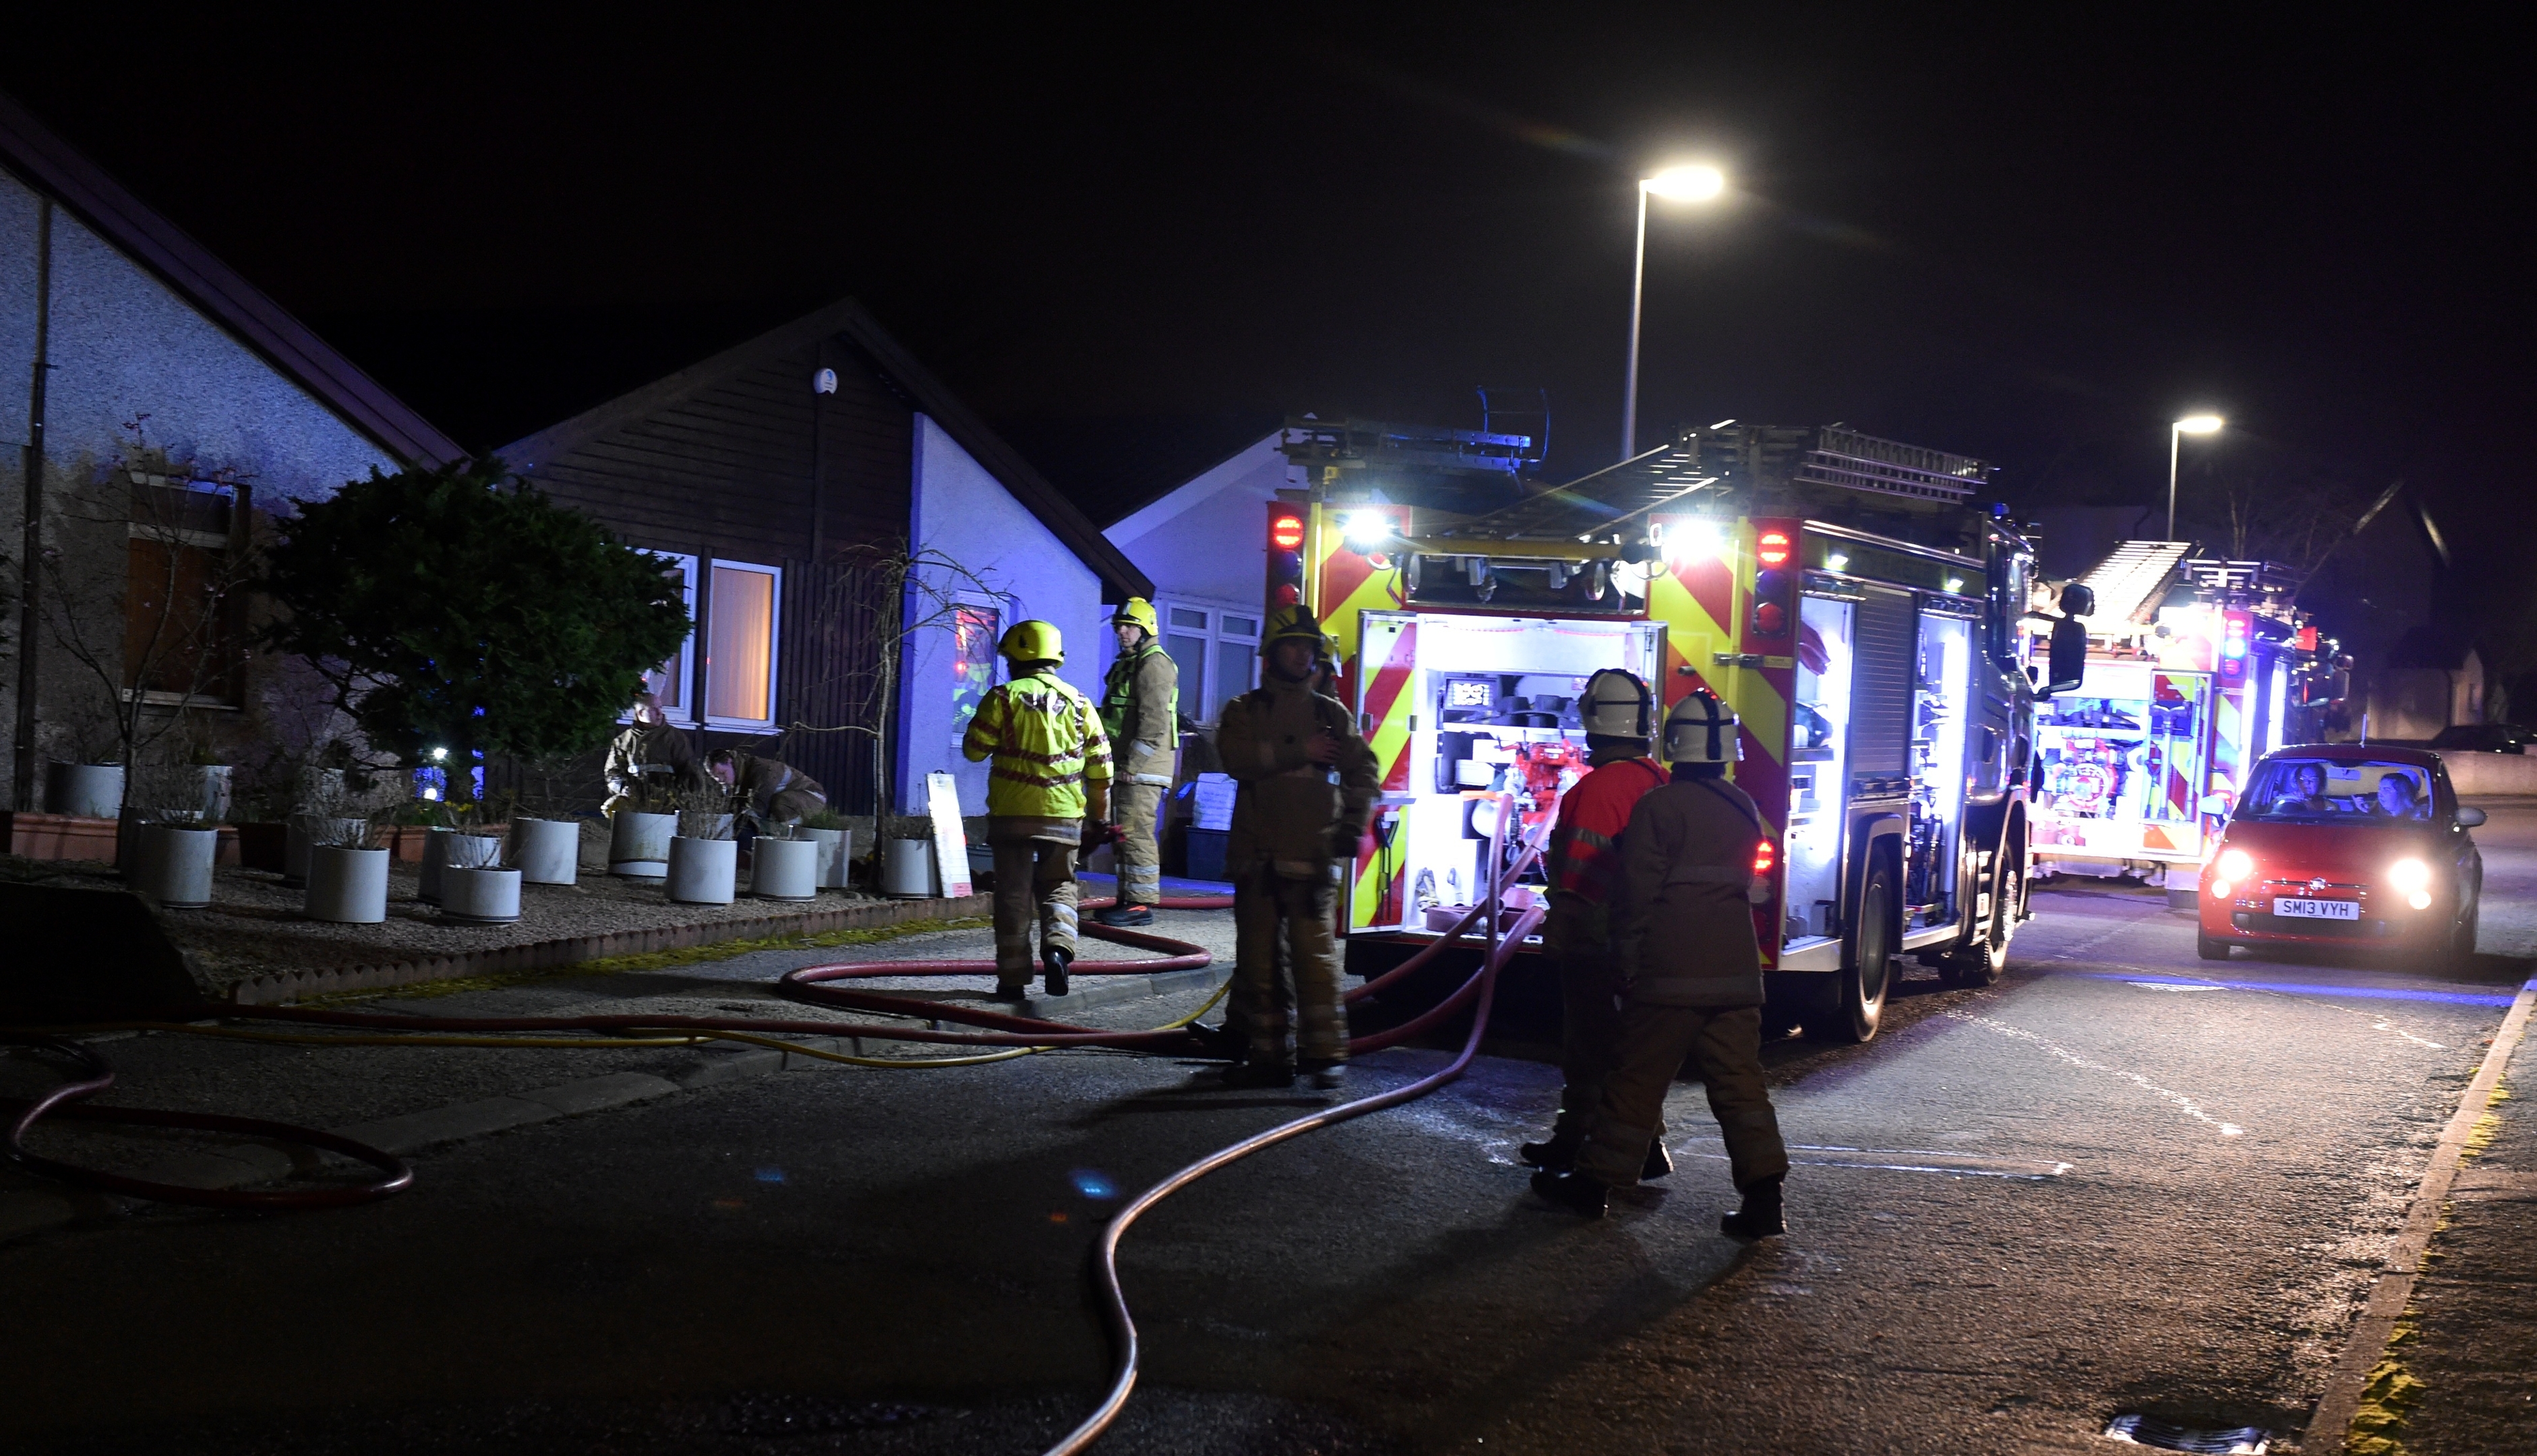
(1983, 962)
(1849, 1006)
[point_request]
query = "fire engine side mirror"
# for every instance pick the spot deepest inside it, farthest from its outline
(2069, 658)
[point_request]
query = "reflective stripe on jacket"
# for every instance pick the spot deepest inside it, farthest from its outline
(1141, 711)
(1046, 741)
(1586, 850)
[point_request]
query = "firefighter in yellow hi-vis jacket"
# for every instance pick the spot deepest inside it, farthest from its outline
(1141, 712)
(1308, 785)
(1052, 766)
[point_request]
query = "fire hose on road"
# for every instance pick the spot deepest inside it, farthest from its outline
(1011, 1035)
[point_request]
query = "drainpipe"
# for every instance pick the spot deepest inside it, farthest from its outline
(30, 559)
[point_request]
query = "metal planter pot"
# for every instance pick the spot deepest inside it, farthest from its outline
(546, 852)
(837, 850)
(304, 832)
(907, 869)
(638, 845)
(480, 897)
(447, 849)
(348, 887)
(84, 790)
(784, 868)
(703, 871)
(175, 867)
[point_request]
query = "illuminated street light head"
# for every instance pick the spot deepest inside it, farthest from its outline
(2198, 424)
(1698, 183)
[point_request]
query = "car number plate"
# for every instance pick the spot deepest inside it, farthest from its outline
(2317, 910)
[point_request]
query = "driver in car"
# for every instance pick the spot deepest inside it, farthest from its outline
(2397, 797)
(2311, 799)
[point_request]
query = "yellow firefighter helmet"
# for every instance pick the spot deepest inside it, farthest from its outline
(1288, 623)
(1136, 611)
(1033, 641)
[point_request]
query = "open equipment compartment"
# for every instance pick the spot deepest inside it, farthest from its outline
(1493, 710)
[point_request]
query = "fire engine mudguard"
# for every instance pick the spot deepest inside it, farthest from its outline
(1846, 1005)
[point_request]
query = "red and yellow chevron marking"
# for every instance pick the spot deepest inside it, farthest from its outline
(1703, 600)
(1389, 645)
(1345, 584)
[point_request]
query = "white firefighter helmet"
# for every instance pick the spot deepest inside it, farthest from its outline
(1701, 730)
(1617, 705)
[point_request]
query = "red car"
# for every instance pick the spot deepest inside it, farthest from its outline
(2345, 844)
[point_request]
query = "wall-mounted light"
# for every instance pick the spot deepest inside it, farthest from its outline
(824, 382)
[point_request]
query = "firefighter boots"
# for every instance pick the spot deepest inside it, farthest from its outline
(1328, 1076)
(1056, 958)
(1761, 1217)
(1557, 1156)
(1125, 914)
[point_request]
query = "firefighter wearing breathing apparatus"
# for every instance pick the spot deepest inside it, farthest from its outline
(1141, 712)
(1306, 790)
(1051, 768)
(1619, 716)
(1692, 977)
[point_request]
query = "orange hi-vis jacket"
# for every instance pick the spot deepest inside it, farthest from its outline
(1586, 852)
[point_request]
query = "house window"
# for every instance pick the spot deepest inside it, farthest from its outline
(1218, 652)
(180, 621)
(975, 629)
(740, 646)
(673, 680)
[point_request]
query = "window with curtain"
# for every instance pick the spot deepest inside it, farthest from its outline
(740, 646)
(974, 633)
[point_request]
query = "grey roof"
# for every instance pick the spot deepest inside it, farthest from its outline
(61, 171)
(849, 319)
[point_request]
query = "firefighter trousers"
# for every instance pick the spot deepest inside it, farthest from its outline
(1725, 1044)
(1590, 1043)
(1265, 901)
(1136, 807)
(1034, 882)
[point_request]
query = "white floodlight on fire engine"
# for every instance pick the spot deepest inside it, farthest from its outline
(1366, 529)
(1693, 539)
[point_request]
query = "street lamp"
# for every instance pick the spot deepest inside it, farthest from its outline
(2191, 424)
(1674, 184)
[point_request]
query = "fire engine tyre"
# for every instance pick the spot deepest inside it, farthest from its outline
(1853, 1003)
(1983, 962)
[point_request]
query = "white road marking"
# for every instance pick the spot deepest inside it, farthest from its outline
(2189, 1105)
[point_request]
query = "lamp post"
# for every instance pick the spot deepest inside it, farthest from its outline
(2191, 424)
(1679, 184)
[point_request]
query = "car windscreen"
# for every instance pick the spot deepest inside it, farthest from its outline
(2291, 789)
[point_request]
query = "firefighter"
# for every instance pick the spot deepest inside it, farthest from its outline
(1692, 971)
(648, 750)
(1052, 768)
(1619, 716)
(1141, 712)
(1307, 786)
(772, 791)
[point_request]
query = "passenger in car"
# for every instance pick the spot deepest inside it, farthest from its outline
(2311, 799)
(2397, 797)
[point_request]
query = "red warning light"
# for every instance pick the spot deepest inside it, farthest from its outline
(1286, 595)
(1771, 548)
(1765, 855)
(1286, 533)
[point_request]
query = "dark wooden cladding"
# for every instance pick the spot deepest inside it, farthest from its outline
(727, 472)
(830, 670)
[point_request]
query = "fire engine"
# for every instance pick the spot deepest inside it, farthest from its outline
(2196, 668)
(1844, 593)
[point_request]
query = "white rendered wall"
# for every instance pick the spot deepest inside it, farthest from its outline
(964, 513)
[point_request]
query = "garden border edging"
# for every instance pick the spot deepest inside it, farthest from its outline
(283, 987)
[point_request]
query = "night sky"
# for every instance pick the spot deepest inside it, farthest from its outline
(1133, 241)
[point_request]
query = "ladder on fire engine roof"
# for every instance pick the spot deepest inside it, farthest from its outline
(1734, 455)
(1601, 501)
(2130, 582)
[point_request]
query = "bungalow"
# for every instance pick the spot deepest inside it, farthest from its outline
(155, 406)
(851, 541)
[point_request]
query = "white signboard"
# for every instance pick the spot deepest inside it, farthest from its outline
(951, 842)
(1215, 801)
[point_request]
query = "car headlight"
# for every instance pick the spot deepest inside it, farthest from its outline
(2409, 875)
(2235, 864)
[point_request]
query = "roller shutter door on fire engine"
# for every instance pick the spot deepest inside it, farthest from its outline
(1881, 692)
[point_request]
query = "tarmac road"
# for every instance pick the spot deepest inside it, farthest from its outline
(2121, 1180)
